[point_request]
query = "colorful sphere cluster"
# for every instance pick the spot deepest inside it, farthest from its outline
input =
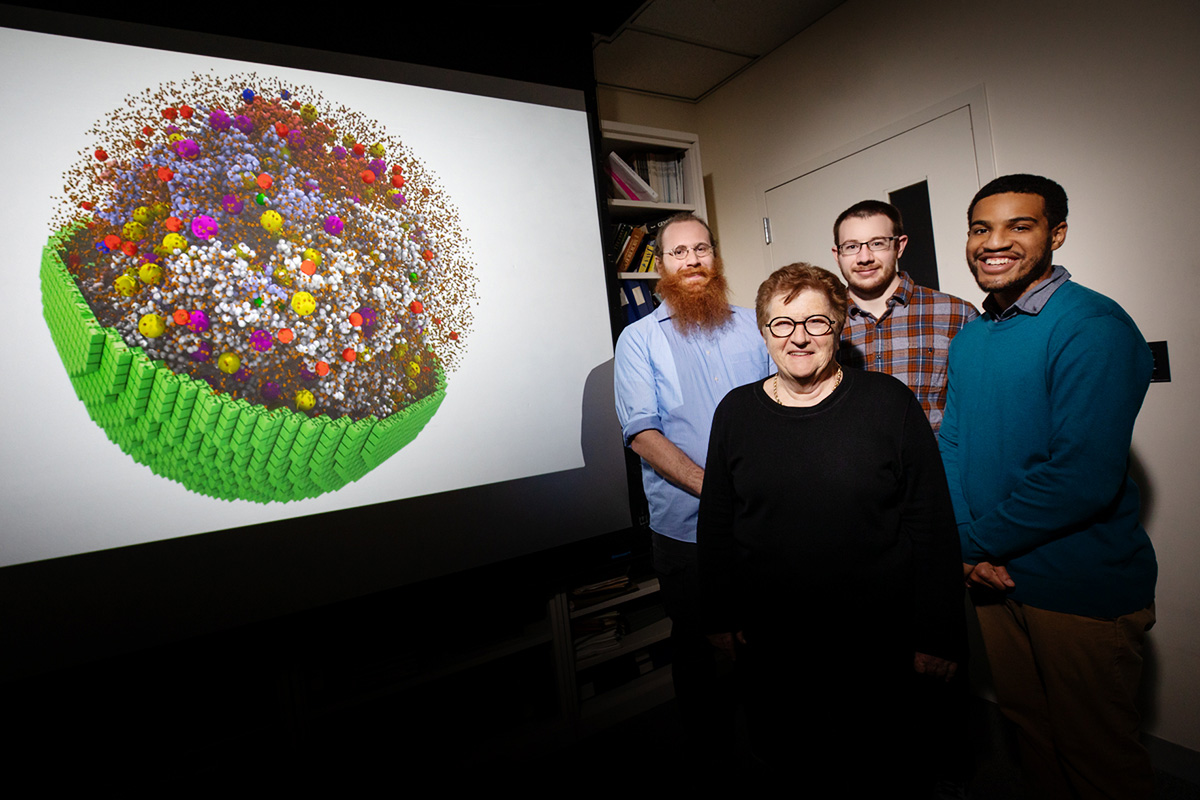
(285, 252)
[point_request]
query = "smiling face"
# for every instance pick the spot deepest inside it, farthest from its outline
(869, 273)
(802, 359)
(694, 272)
(693, 286)
(1009, 244)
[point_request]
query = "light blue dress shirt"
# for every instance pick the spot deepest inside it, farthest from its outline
(672, 383)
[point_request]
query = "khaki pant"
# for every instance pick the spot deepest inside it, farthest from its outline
(1069, 684)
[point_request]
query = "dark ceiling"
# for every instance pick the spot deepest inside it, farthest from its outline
(538, 40)
(680, 49)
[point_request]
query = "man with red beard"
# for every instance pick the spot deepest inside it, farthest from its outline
(672, 369)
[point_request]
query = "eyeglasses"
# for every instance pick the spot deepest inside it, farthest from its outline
(701, 250)
(875, 245)
(816, 325)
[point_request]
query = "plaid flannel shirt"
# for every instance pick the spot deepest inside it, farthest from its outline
(910, 342)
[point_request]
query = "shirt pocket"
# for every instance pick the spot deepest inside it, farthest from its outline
(749, 364)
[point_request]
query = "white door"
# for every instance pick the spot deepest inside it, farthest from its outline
(941, 151)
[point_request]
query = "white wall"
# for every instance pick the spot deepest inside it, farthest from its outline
(1101, 96)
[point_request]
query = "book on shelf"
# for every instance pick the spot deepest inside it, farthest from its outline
(621, 190)
(647, 256)
(662, 172)
(635, 264)
(636, 299)
(617, 237)
(596, 623)
(598, 633)
(628, 182)
(632, 247)
(593, 593)
(594, 645)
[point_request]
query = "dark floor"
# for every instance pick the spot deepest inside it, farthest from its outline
(653, 739)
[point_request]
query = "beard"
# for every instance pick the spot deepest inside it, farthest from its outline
(1018, 281)
(703, 306)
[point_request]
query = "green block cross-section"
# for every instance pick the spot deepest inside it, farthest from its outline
(214, 445)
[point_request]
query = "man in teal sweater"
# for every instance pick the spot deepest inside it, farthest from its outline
(1043, 393)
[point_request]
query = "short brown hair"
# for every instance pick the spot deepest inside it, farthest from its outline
(793, 279)
(865, 209)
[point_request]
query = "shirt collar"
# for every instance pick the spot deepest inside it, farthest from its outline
(904, 292)
(1033, 301)
(901, 297)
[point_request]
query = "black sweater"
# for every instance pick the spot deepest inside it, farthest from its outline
(842, 509)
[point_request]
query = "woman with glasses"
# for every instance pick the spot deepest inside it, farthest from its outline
(828, 549)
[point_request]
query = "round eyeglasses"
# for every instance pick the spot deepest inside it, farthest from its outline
(701, 250)
(816, 325)
(874, 245)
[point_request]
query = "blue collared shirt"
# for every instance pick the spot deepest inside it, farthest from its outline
(672, 383)
(1033, 301)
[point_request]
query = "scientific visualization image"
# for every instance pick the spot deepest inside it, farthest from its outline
(255, 292)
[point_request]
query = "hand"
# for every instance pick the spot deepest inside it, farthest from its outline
(926, 664)
(987, 574)
(724, 642)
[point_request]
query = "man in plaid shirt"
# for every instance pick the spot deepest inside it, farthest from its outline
(894, 325)
(898, 327)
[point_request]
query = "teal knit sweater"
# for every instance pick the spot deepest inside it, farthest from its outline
(1035, 440)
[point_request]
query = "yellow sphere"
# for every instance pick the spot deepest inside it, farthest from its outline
(175, 137)
(159, 210)
(313, 256)
(377, 150)
(150, 273)
(134, 231)
(125, 285)
(229, 362)
(173, 241)
(272, 222)
(305, 400)
(413, 369)
(303, 303)
(308, 112)
(152, 326)
(142, 214)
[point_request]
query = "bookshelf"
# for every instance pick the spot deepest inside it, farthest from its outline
(630, 676)
(628, 141)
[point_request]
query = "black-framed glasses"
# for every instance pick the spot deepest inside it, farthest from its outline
(874, 245)
(816, 325)
(701, 250)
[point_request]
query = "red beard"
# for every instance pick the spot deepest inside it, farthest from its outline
(704, 306)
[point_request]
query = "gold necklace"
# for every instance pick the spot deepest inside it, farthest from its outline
(837, 381)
